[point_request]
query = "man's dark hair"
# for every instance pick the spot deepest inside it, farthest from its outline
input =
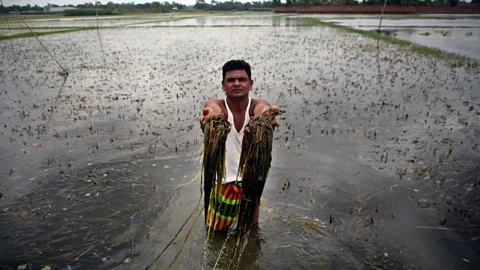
(237, 65)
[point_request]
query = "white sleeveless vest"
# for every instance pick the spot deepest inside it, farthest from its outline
(234, 144)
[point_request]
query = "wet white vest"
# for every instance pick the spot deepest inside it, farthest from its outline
(234, 144)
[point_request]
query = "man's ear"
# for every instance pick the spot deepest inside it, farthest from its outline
(251, 84)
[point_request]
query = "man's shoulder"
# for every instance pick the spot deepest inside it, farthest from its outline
(214, 100)
(219, 102)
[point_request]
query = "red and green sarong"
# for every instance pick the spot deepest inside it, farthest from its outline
(226, 213)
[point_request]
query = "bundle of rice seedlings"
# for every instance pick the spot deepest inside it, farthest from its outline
(215, 134)
(254, 165)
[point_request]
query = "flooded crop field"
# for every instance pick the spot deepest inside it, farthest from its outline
(459, 34)
(379, 147)
(177, 19)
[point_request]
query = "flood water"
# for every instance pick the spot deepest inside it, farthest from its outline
(453, 33)
(230, 21)
(459, 34)
(380, 148)
(103, 21)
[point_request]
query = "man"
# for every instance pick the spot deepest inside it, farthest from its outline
(237, 108)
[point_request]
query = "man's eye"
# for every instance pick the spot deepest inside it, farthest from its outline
(232, 80)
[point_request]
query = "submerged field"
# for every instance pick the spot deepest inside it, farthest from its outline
(454, 33)
(379, 145)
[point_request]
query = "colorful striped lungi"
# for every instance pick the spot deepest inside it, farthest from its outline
(227, 213)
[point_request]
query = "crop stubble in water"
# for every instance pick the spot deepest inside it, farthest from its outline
(419, 119)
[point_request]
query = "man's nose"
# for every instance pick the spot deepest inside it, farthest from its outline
(236, 82)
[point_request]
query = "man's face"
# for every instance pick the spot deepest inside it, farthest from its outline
(236, 83)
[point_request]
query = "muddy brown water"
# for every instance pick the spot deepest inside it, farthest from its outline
(380, 148)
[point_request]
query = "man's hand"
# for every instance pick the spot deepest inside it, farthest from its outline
(261, 108)
(274, 121)
(210, 109)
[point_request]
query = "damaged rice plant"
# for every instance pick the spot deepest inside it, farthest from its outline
(254, 166)
(255, 161)
(215, 135)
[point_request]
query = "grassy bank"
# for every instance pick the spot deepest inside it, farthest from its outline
(458, 59)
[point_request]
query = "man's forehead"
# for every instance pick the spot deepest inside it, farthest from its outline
(236, 73)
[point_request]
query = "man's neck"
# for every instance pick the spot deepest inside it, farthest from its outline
(237, 105)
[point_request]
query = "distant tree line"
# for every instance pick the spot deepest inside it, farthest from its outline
(26, 8)
(90, 12)
(146, 7)
(376, 2)
(132, 7)
(231, 5)
(119, 8)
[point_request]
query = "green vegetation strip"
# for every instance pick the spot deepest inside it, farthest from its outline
(90, 12)
(460, 60)
(29, 34)
(50, 28)
(420, 26)
(171, 19)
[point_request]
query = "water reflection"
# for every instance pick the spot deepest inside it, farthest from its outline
(230, 21)
(366, 22)
(462, 41)
(460, 36)
(221, 252)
